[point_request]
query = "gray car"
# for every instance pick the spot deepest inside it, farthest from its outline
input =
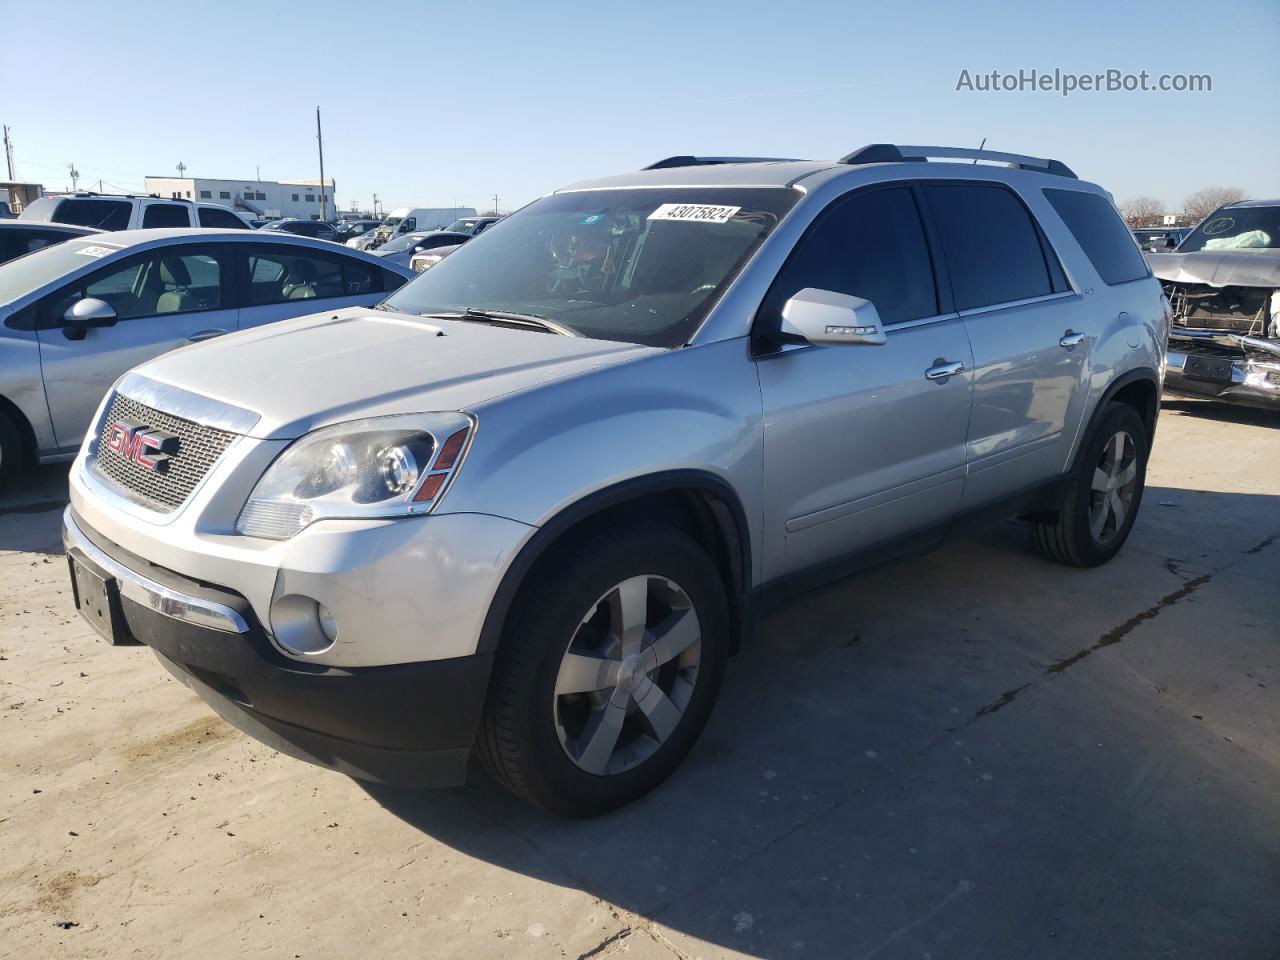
(74, 317)
(18, 237)
(527, 508)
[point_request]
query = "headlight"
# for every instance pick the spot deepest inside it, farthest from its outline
(382, 467)
(422, 264)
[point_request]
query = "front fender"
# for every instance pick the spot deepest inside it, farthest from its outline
(22, 388)
(538, 451)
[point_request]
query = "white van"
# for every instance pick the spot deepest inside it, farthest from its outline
(417, 219)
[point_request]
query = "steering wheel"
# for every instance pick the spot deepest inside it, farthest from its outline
(704, 288)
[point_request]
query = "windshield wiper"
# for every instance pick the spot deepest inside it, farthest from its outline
(502, 317)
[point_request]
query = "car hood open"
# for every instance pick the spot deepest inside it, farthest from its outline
(1219, 268)
(325, 368)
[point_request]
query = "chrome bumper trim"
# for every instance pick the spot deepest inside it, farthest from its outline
(156, 596)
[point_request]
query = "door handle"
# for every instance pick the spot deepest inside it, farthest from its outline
(1071, 339)
(206, 334)
(942, 369)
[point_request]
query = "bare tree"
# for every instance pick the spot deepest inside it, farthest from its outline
(1203, 202)
(1142, 212)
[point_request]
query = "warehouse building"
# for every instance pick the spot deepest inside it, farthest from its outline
(254, 198)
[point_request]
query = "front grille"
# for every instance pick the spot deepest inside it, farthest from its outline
(199, 448)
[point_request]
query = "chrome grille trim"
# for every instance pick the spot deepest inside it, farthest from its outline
(187, 405)
(199, 449)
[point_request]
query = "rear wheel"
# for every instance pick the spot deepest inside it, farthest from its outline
(608, 669)
(1101, 502)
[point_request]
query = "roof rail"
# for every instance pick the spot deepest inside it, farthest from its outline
(691, 161)
(892, 153)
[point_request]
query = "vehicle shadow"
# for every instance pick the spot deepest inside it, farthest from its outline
(1226, 412)
(927, 759)
(31, 510)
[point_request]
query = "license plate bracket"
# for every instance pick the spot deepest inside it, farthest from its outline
(1212, 369)
(97, 597)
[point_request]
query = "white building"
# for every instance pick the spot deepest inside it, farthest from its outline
(257, 198)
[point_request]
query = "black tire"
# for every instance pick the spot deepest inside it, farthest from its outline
(520, 737)
(13, 457)
(1068, 535)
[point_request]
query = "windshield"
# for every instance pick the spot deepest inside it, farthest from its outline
(1236, 228)
(403, 242)
(392, 222)
(642, 266)
(461, 226)
(21, 276)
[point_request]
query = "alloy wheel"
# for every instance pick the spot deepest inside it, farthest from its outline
(1114, 484)
(627, 675)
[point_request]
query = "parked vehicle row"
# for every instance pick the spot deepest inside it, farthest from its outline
(526, 507)
(75, 316)
(1159, 239)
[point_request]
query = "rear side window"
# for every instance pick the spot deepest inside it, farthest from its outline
(213, 217)
(871, 245)
(103, 214)
(992, 245)
(165, 215)
(278, 277)
(1101, 233)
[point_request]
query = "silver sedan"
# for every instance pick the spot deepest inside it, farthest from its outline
(75, 316)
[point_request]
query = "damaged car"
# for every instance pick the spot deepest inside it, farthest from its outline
(1223, 286)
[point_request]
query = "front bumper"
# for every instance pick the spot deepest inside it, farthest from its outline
(409, 723)
(1252, 381)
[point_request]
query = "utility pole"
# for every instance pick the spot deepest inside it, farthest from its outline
(495, 204)
(324, 199)
(182, 170)
(8, 151)
(75, 176)
(375, 206)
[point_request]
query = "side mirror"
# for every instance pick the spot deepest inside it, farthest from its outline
(85, 313)
(829, 318)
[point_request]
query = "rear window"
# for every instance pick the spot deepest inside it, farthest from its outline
(165, 215)
(993, 247)
(103, 214)
(213, 217)
(1101, 233)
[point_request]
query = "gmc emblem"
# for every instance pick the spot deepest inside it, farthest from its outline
(146, 447)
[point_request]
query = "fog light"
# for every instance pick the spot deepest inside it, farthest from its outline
(302, 625)
(328, 623)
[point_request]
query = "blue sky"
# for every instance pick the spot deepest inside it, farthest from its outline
(470, 98)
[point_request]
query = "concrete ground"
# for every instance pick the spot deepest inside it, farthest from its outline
(974, 753)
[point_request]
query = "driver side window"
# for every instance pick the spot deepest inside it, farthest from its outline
(153, 286)
(871, 245)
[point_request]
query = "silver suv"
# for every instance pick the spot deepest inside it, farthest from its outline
(527, 507)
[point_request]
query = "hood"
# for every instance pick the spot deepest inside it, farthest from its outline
(1219, 268)
(325, 368)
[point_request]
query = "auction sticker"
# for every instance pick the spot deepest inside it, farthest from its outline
(96, 251)
(694, 212)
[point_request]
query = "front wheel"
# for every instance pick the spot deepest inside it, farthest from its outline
(608, 670)
(12, 455)
(1104, 492)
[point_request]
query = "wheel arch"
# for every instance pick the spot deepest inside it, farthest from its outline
(696, 501)
(26, 432)
(1140, 389)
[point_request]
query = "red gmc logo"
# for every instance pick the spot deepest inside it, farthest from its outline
(144, 446)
